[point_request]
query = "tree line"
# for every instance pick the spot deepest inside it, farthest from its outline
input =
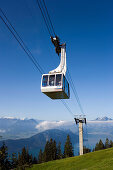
(52, 151)
(100, 145)
(23, 159)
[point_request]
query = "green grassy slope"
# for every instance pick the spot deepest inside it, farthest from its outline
(99, 160)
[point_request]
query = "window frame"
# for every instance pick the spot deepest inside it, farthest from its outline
(47, 80)
(56, 79)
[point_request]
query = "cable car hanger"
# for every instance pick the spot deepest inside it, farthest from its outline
(60, 49)
(55, 84)
(56, 43)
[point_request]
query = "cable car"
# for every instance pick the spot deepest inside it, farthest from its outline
(55, 84)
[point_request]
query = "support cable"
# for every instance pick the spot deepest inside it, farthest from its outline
(74, 91)
(22, 44)
(68, 73)
(49, 17)
(44, 17)
(67, 107)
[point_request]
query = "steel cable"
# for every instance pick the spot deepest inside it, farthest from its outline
(31, 57)
(68, 73)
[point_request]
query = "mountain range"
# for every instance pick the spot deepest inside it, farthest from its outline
(105, 118)
(13, 128)
(19, 132)
(38, 141)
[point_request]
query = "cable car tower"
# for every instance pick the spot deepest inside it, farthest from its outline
(80, 119)
(54, 84)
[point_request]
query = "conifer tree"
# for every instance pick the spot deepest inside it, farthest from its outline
(68, 149)
(46, 154)
(107, 143)
(4, 162)
(96, 147)
(14, 161)
(24, 159)
(54, 150)
(40, 157)
(19, 159)
(29, 158)
(111, 143)
(34, 160)
(86, 150)
(24, 156)
(59, 152)
(99, 145)
(51, 150)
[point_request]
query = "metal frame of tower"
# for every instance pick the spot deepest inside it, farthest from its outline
(80, 119)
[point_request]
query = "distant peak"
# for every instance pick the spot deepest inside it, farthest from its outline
(105, 118)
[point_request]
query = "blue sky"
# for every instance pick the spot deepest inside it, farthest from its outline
(87, 29)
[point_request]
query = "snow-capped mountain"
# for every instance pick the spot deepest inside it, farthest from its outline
(105, 118)
(14, 128)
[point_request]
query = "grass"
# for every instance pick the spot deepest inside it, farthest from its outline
(99, 160)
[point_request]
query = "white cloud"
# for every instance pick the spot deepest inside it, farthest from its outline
(9, 117)
(50, 125)
(2, 131)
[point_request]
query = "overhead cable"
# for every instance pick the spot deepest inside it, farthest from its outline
(25, 48)
(44, 16)
(74, 91)
(21, 43)
(68, 73)
(49, 17)
(67, 107)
